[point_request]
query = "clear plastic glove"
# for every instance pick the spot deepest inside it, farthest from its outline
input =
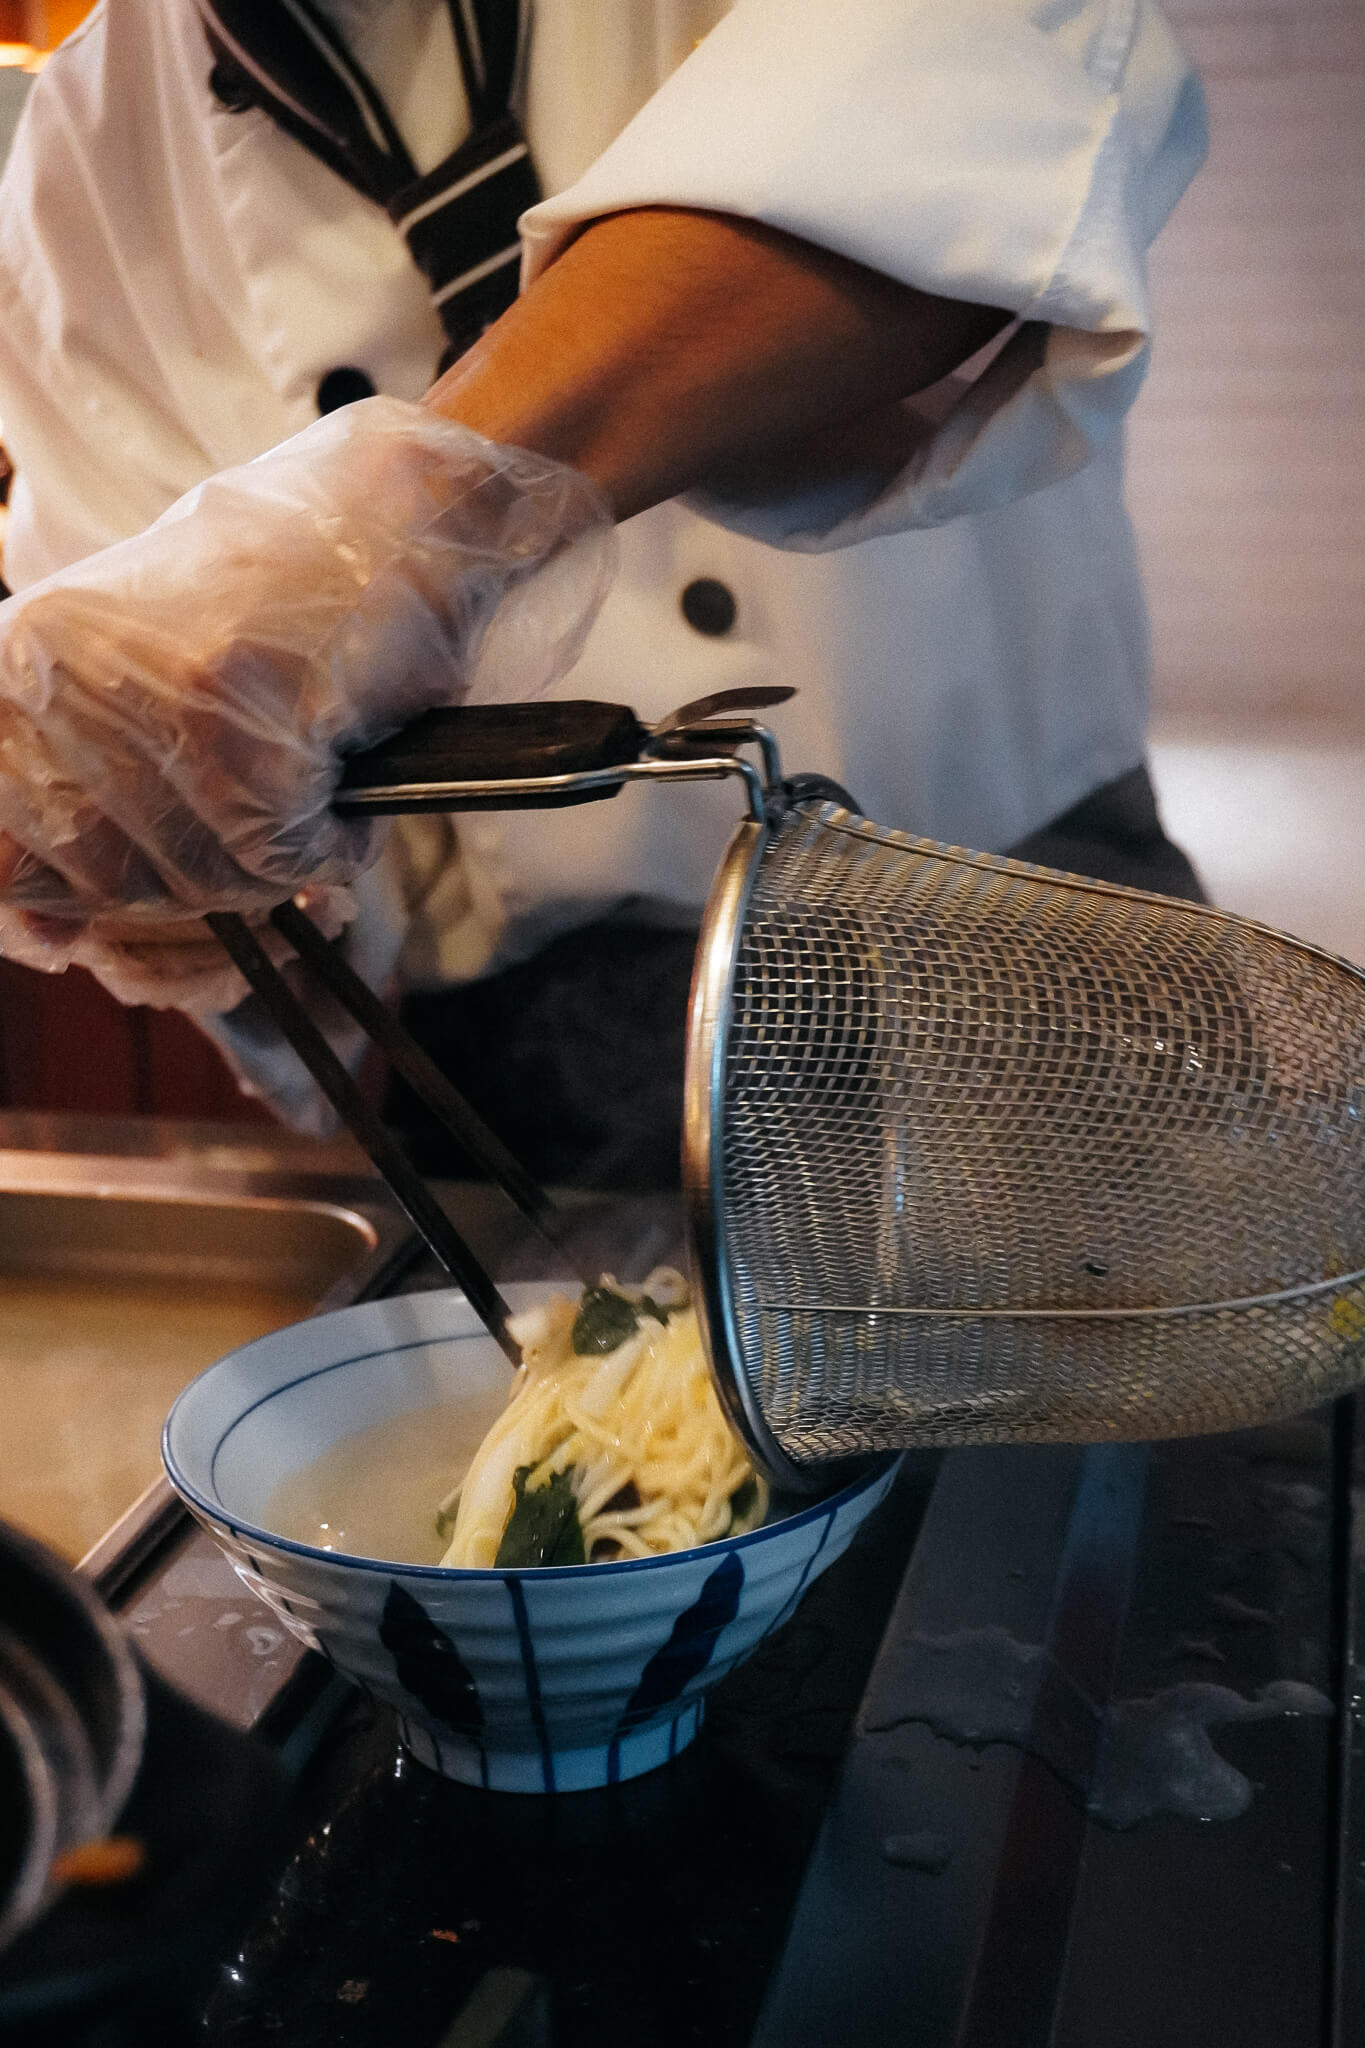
(174, 710)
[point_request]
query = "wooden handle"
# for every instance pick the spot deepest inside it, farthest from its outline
(492, 743)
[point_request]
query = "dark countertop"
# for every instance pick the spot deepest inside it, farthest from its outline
(1065, 1752)
(1095, 1851)
(652, 1912)
(1071, 1779)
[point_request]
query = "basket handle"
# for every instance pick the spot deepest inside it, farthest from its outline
(477, 757)
(487, 744)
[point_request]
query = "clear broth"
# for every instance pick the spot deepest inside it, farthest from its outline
(375, 1493)
(88, 1368)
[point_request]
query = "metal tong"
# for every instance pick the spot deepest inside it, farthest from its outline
(482, 757)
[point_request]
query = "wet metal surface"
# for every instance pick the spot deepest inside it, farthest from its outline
(122, 1274)
(1089, 1801)
(1189, 1931)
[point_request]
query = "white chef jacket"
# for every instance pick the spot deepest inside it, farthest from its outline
(969, 646)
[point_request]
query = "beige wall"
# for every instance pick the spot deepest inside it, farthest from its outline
(1248, 445)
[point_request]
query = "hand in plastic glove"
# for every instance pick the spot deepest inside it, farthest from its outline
(173, 711)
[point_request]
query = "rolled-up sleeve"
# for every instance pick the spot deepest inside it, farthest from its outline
(1014, 153)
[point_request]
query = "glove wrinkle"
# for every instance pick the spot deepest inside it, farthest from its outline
(175, 709)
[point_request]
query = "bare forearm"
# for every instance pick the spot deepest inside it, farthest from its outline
(666, 349)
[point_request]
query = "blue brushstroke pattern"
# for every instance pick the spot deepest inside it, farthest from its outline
(428, 1664)
(690, 1647)
(516, 1593)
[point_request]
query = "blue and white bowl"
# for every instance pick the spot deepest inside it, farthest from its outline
(548, 1680)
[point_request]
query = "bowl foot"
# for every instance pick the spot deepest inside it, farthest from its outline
(551, 1770)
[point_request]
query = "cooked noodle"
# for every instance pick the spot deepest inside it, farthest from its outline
(635, 1430)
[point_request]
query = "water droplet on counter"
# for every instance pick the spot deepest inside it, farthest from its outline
(1230, 1608)
(1158, 1756)
(197, 1578)
(924, 1851)
(1155, 1755)
(1296, 1496)
(1199, 1647)
(976, 1686)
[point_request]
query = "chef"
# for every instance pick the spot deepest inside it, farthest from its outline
(834, 311)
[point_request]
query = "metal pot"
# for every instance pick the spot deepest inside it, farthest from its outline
(72, 1722)
(91, 1744)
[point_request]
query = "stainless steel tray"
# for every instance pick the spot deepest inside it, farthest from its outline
(132, 1255)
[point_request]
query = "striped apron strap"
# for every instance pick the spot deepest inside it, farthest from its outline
(458, 220)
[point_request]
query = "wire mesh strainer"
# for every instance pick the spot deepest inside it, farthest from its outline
(973, 1151)
(982, 1152)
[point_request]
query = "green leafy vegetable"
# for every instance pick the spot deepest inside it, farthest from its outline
(543, 1527)
(605, 1319)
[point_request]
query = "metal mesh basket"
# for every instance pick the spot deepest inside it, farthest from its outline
(980, 1152)
(973, 1151)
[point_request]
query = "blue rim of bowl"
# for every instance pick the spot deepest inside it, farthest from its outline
(826, 1507)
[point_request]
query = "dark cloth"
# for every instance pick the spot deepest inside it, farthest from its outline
(1115, 835)
(576, 1057)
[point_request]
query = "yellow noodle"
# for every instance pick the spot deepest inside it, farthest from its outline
(645, 1415)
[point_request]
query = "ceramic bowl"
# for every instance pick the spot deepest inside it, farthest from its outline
(548, 1680)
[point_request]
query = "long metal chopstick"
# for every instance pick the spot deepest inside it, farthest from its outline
(423, 1076)
(412, 1192)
